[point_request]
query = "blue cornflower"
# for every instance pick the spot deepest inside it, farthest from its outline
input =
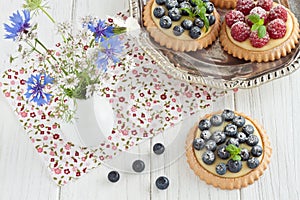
(111, 48)
(35, 87)
(18, 24)
(101, 30)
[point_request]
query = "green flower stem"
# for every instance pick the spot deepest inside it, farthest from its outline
(47, 14)
(44, 47)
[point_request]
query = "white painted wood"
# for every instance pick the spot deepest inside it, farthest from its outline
(276, 105)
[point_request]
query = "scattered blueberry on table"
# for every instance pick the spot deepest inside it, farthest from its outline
(138, 166)
(158, 148)
(162, 182)
(113, 176)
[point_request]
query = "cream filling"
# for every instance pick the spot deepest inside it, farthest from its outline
(273, 43)
(212, 168)
(169, 31)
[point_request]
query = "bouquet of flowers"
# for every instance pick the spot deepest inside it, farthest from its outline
(74, 68)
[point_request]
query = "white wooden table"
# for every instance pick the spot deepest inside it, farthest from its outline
(276, 105)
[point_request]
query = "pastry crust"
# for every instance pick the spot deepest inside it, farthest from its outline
(224, 3)
(262, 56)
(223, 182)
(176, 43)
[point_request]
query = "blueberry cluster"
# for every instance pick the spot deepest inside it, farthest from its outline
(235, 133)
(169, 11)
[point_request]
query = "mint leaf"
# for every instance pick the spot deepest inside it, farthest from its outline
(236, 157)
(232, 149)
(255, 27)
(189, 11)
(254, 18)
(261, 21)
(261, 31)
(202, 16)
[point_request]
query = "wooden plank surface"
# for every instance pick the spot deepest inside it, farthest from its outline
(276, 105)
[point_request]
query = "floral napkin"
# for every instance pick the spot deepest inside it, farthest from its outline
(145, 101)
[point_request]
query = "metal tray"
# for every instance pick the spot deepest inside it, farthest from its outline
(213, 66)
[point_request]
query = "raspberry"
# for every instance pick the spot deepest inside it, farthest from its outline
(258, 42)
(276, 28)
(278, 12)
(240, 31)
(260, 12)
(234, 16)
(245, 6)
(265, 4)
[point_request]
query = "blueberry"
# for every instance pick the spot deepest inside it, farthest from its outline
(187, 5)
(113, 176)
(228, 115)
(215, 120)
(234, 165)
(174, 14)
(198, 144)
(158, 12)
(248, 129)
(180, 1)
(160, 2)
(138, 166)
(158, 148)
(195, 32)
(192, 2)
(222, 152)
(204, 124)
(171, 4)
(205, 135)
(221, 169)
(211, 19)
(208, 157)
(211, 145)
(244, 154)
(241, 137)
(230, 130)
(233, 141)
(219, 137)
(187, 24)
(205, 0)
(252, 140)
(209, 7)
(165, 22)
(162, 182)
(239, 121)
(256, 151)
(178, 30)
(252, 163)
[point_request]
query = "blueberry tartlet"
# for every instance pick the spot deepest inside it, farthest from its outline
(182, 25)
(259, 31)
(228, 150)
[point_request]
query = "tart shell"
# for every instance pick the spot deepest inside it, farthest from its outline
(223, 182)
(178, 44)
(261, 56)
(224, 3)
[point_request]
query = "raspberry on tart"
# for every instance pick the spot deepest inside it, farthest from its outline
(274, 31)
(182, 25)
(235, 154)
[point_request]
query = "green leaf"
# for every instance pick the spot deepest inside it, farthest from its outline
(261, 31)
(189, 11)
(254, 18)
(236, 157)
(255, 27)
(261, 21)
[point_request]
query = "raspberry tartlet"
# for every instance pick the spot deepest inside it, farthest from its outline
(182, 25)
(259, 31)
(228, 149)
